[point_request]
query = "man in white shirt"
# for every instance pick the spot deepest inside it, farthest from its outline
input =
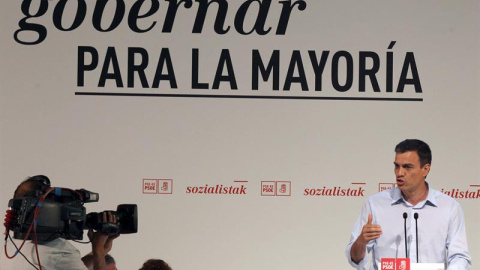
(441, 228)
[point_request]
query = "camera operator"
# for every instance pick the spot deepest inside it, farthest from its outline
(155, 264)
(60, 254)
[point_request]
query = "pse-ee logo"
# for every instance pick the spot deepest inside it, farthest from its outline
(385, 186)
(276, 188)
(157, 186)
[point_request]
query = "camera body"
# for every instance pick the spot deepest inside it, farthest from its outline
(60, 212)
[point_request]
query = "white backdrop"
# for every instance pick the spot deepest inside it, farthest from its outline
(111, 143)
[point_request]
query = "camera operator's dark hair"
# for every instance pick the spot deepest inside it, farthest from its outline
(155, 264)
(109, 259)
(422, 149)
(32, 186)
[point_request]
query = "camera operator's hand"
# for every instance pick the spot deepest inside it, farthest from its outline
(101, 244)
(109, 243)
(100, 238)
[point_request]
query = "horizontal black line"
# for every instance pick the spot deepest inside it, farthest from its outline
(243, 96)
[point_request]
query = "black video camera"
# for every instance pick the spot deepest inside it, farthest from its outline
(59, 212)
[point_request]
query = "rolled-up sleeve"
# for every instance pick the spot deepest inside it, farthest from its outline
(457, 246)
(357, 229)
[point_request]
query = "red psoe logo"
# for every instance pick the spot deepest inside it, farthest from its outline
(157, 186)
(395, 264)
(166, 186)
(283, 188)
(276, 188)
(403, 264)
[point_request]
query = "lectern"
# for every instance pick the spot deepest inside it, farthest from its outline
(418, 266)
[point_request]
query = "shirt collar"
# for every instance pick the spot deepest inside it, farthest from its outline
(398, 198)
(431, 196)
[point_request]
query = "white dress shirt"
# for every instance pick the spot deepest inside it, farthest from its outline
(58, 254)
(441, 230)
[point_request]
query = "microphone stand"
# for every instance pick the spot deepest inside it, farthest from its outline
(405, 230)
(415, 216)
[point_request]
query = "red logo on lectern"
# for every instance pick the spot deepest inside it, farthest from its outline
(395, 264)
(387, 264)
(403, 264)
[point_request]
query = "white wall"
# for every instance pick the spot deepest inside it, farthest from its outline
(109, 144)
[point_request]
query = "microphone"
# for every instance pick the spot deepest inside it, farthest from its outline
(415, 216)
(405, 230)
